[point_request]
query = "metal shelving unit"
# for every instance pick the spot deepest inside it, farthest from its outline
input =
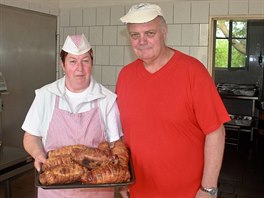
(238, 128)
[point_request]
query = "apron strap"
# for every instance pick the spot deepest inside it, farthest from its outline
(57, 101)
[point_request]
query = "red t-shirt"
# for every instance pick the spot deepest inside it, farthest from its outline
(165, 117)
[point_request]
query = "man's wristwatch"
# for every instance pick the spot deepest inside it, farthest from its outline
(211, 191)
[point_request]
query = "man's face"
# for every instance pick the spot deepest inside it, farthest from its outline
(147, 39)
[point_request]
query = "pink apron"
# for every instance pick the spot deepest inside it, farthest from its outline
(75, 128)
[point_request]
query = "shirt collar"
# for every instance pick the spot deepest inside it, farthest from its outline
(94, 90)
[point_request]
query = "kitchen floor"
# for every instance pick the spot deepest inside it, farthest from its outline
(242, 174)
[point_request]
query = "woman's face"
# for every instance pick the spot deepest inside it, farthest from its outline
(77, 70)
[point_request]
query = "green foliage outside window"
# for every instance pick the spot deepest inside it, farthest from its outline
(230, 51)
(221, 53)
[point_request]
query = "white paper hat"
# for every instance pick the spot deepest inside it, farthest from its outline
(142, 13)
(76, 44)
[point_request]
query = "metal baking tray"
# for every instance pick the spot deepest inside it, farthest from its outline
(80, 185)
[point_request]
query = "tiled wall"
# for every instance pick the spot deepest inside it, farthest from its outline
(188, 23)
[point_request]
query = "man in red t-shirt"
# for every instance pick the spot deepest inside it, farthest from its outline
(171, 114)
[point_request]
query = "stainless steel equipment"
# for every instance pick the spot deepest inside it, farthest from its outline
(240, 101)
(3, 89)
(13, 162)
(27, 61)
(237, 89)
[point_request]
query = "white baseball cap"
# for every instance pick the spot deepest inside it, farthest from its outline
(76, 44)
(142, 13)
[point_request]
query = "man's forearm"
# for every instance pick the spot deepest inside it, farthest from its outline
(213, 157)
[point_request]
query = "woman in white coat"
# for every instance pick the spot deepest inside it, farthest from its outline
(72, 110)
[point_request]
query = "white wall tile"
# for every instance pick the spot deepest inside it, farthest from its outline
(96, 35)
(127, 7)
(108, 75)
(185, 50)
(17, 3)
(129, 55)
(38, 7)
(174, 35)
(83, 30)
(187, 22)
(58, 46)
(116, 55)
(103, 16)
(64, 17)
(200, 53)
(61, 37)
(110, 35)
(76, 17)
(182, 12)
(111, 88)
(203, 39)
(219, 7)
(97, 73)
(44, 9)
(58, 25)
(116, 13)
(102, 55)
(94, 55)
(256, 7)
(190, 34)
(167, 9)
(118, 69)
(200, 12)
(238, 7)
(68, 31)
(89, 16)
(122, 35)
(54, 11)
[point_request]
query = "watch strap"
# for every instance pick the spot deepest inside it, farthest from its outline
(211, 191)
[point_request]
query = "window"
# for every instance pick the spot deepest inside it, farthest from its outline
(230, 44)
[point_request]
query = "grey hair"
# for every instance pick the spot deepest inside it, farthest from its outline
(163, 23)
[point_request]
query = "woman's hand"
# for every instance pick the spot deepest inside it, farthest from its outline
(124, 192)
(33, 145)
(39, 160)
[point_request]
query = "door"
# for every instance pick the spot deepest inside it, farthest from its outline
(27, 61)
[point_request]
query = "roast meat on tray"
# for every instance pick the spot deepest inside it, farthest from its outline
(79, 163)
